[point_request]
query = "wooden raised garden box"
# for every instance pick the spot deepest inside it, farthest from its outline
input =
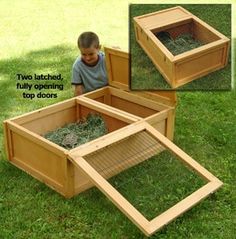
(181, 68)
(139, 125)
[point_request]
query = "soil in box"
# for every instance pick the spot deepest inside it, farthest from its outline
(74, 134)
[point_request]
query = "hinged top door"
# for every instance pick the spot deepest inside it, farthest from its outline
(105, 157)
(162, 17)
(118, 71)
(117, 63)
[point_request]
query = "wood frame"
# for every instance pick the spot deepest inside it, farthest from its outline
(147, 227)
(181, 69)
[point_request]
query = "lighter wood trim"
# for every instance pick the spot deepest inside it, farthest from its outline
(182, 155)
(51, 109)
(107, 139)
(39, 140)
(127, 208)
(181, 207)
(108, 110)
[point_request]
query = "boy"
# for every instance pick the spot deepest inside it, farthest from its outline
(89, 70)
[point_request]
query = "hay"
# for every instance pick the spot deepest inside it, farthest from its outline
(75, 134)
(182, 43)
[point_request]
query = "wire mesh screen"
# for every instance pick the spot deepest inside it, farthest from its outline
(124, 154)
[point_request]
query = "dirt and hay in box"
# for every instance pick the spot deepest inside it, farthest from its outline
(74, 134)
(182, 43)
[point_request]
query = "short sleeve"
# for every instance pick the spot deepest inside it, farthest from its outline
(76, 78)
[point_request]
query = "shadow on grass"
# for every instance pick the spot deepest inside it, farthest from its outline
(144, 74)
(54, 61)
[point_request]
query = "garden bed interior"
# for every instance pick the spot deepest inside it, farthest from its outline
(189, 26)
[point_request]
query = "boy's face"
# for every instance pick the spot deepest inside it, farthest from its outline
(89, 55)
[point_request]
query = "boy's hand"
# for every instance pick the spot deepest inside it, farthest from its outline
(78, 90)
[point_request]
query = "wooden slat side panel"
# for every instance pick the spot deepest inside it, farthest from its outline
(200, 65)
(175, 28)
(131, 107)
(34, 115)
(38, 161)
(203, 34)
(52, 121)
(155, 54)
(117, 63)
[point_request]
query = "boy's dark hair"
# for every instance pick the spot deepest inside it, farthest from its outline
(87, 39)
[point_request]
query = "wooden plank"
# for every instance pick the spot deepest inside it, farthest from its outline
(169, 56)
(199, 66)
(199, 51)
(184, 205)
(96, 93)
(157, 117)
(37, 139)
(166, 98)
(107, 139)
(36, 114)
(182, 155)
(162, 17)
(55, 185)
(69, 190)
(140, 100)
(170, 124)
(131, 212)
(158, 26)
(7, 139)
(108, 110)
(117, 64)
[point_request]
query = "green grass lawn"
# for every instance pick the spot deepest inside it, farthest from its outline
(218, 16)
(40, 37)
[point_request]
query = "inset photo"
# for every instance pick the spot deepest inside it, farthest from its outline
(180, 47)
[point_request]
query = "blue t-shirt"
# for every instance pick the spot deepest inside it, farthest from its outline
(91, 77)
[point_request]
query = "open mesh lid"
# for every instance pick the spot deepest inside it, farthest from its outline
(113, 153)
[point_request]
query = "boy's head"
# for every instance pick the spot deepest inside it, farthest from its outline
(88, 43)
